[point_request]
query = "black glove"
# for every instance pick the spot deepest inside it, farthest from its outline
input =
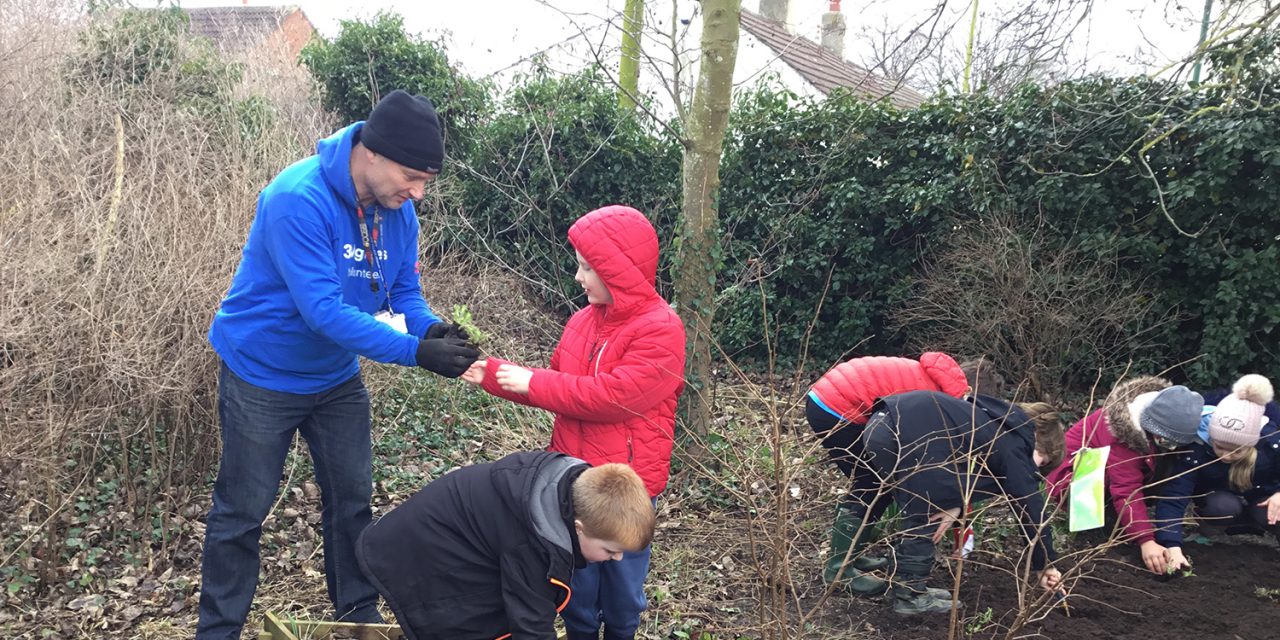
(444, 329)
(448, 357)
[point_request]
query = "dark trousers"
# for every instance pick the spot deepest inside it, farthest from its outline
(911, 470)
(1231, 511)
(843, 442)
(258, 427)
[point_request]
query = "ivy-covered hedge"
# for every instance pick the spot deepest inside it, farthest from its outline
(556, 148)
(371, 58)
(827, 207)
(867, 193)
(834, 210)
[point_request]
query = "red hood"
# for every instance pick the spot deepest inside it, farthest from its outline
(620, 244)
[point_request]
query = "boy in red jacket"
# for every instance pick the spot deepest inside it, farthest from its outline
(612, 385)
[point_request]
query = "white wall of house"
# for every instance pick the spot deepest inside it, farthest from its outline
(756, 62)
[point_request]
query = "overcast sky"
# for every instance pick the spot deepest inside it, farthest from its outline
(487, 36)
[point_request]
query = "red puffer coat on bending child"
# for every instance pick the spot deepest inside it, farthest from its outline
(837, 408)
(843, 396)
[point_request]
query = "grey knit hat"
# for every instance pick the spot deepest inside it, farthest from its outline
(1174, 414)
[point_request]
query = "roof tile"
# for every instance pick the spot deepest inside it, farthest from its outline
(823, 68)
(237, 28)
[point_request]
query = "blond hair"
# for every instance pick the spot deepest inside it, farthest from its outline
(1050, 439)
(1241, 472)
(613, 504)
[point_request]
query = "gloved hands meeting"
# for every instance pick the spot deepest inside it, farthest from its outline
(444, 329)
(449, 357)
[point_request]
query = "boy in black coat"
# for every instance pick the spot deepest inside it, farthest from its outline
(938, 453)
(488, 550)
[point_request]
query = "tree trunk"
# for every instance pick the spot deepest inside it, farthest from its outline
(699, 253)
(629, 68)
(968, 49)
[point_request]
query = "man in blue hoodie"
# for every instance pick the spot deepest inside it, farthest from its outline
(329, 272)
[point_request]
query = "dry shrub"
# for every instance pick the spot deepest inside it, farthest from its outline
(1056, 317)
(126, 200)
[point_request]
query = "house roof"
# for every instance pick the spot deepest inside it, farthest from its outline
(823, 68)
(235, 28)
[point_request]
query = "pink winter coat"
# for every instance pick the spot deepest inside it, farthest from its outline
(1130, 464)
(852, 387)
(618, 369)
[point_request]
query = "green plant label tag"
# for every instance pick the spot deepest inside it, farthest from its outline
(1088, 481)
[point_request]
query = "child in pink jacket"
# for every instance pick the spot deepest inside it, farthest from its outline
(1143, 421)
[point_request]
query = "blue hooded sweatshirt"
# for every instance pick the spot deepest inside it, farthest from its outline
(301, 307)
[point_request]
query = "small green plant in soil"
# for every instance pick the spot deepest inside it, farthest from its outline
(1265, 593)
(979, 622)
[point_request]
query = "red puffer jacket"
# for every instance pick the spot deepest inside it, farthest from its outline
(852, 387)
(615, 376)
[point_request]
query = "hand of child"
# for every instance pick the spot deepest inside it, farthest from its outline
(1153, 554)
(1174, 560)
(1051, 580)
(513, 379)
(1273, 508)
(947, 518)
(475, 373)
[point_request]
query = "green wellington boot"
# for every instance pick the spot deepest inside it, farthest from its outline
(862, 561)
(852, 577)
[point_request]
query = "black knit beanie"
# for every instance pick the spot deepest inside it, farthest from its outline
(405, 129)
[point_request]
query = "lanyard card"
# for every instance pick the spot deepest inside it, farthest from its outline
(394, 320)
(1088, 480)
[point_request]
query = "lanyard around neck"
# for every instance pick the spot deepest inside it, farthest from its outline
(365, 233)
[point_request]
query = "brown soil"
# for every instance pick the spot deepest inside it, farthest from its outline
(1233, 594)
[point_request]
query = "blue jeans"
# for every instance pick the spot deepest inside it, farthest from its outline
(258, 427)
(611, 593)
